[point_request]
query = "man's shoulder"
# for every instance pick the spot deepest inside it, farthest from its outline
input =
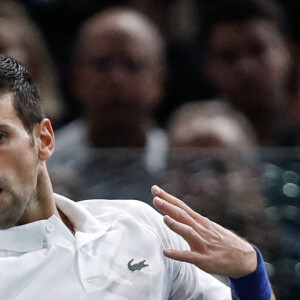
(133, 216)
(108, 208)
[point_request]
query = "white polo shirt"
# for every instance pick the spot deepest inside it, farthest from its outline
(116, 254)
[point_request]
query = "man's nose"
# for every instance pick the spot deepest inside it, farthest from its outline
(117, 73)
(245, 64)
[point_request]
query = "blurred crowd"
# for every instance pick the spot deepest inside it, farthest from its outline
(201, 97)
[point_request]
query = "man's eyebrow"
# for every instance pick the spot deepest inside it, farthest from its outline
(4, 126)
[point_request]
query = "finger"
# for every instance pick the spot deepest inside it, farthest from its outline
(179, 215)
(208, 231)
(159, 192)
(200, 260)
(193, 238)
(182, 255)
(174, 211)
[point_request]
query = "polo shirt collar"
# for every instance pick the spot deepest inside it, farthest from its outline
(31, 237)
(87, 227)
(25, 238)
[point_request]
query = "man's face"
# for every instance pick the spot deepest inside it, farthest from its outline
(247, 62)
(18, 165)
(119, 80)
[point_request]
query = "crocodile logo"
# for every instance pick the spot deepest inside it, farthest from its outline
(137, 266)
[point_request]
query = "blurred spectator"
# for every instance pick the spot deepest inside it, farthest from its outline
(248, 61)
(118, 78)
(21, 39)
(210, 124)
(220, 141)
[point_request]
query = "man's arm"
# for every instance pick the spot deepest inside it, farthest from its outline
(213, 248)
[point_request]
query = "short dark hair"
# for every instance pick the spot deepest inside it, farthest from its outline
(240, 11)
(15, 78)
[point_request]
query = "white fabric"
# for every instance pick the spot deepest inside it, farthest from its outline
(71, 145)
(43, 260)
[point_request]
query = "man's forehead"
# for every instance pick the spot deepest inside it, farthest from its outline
(126, 28)
(114, 35)
(6, 97)
(7, 109)
(258, 31)
(125, 21)
(251, 25)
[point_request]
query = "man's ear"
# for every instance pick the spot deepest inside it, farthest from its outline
(45, 139)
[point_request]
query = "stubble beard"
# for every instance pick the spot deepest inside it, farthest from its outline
(12, 205)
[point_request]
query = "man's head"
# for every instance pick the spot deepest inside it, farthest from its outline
(26, 142)
(119, 69)
(248, 59)
(210, 124)
(15, 79)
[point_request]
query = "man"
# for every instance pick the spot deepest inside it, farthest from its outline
(211, 124)
(248, 62)
(52, 246)
(118, 78)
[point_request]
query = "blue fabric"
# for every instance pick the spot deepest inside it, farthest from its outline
(255, 286)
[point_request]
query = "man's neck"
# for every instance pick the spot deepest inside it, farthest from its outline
(66, 221)
(41, 206)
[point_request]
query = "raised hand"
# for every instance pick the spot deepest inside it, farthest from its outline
(214, 249)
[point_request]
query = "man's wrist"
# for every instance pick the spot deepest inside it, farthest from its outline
(255, 285)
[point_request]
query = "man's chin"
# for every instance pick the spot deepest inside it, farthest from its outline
(7, 222)
(5, 199)
(9, 210)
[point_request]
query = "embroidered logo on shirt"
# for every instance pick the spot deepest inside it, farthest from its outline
(137, 266)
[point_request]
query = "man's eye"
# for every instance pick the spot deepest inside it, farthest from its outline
(2, 137)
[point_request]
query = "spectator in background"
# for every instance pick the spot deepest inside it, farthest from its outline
(21, 39)
(118, 78)
(210, 124)
(248, 61)
(219, 161)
